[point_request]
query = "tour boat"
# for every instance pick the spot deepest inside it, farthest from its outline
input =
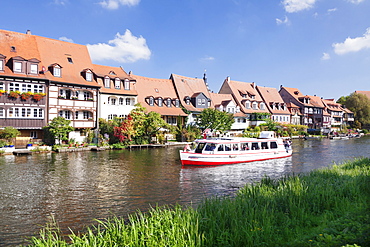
(224, 151)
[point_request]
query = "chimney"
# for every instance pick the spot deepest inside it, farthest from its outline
(228, 79)
(253, 85)
(28, 32)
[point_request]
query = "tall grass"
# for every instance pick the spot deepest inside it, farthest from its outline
(328, 207)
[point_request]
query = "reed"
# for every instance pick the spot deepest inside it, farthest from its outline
(327, 207)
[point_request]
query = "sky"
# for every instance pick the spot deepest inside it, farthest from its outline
(321, 47)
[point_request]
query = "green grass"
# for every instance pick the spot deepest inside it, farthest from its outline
(327, 207)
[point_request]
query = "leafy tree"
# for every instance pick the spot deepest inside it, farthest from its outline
(342, 100)
(107, 128)
(215, 120)
(8, 133)
(270, 124)
(360, 105)
(126, 130)
(152, 124)
(59, 128)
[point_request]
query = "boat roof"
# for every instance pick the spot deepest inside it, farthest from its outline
(233, 140)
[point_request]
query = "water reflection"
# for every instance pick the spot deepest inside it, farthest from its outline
(76, 188)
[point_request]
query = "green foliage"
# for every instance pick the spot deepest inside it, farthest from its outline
(2, 143)
(327, 207)
(59, 128)
(215, 120)
(9, 133)
(360, 105)
(107, 128)
(270, 124)
(260, 115)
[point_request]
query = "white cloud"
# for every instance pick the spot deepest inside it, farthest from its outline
(115, 4)
(292, 6)
(208, 58)
(353, 45)
(355, 1)
(325, 56)
(60, 2)
(124, 48)
(66, 39)
(332, 10)
(285, 21)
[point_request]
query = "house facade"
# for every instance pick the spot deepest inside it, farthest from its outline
(117, 94)
(248, 99)
(193, 94)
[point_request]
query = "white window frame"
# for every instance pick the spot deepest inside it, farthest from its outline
(127, 84)
(1, 65)
(57, 71)
(18, 67)
(107, 82)
(34, 69)
(117, 83)
(128, 101)
(88, 76)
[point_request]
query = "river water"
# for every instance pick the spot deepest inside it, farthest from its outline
(76, 188)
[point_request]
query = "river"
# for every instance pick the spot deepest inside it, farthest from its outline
(76, 188)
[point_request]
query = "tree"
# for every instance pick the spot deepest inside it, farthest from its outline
(9, 133)
(215, 120)
(126, 130)
(152, 124)
(270, 124)
(360, 105)
(59, 128)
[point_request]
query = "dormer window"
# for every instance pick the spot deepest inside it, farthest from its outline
(2, 62)
(168, 102)
(262, 106)
(18, 67)
(34, 69)
(248, 104)
(107, 82)
(151, 101)
(255, 106)
(127, 84)
(160, 102)
(88, 76)
(117, 83)
(177, 103)
(69, 60)
(187, 100)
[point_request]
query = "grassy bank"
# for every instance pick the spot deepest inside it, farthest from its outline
(328, 207)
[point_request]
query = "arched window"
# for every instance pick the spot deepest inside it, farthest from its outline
(65, 113)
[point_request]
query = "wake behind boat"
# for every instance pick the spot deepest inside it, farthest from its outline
(223, 151)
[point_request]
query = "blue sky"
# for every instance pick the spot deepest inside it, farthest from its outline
(321, 47)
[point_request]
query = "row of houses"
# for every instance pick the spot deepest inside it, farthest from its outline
(42, 78)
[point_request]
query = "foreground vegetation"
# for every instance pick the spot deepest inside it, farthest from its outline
(327, 207)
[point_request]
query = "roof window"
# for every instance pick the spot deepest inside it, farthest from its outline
(69, 60)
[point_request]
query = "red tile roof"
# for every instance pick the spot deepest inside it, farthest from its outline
(271, 96)
(187, 87)
(157, 88)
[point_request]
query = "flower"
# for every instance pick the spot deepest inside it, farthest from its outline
(14, 94)
(26, 95)
(38, 96)
(2, 92)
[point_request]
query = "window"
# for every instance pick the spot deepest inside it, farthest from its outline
(168, 102)
(88, 76)
(66, 114)
(262, 106)
(18, 67)
(203, 101)
(160, 102)
(87, 114)
(34, 69)
(1, 112)
(177, 103)
(255, 106)
(248, 104)
(121, 101)
(33, 134)
(128, 101)
(87, 95)
(25, 112)
(151, 101)
(76, 114)
(113, 101)
(69, 60)
(57, 71)
(14, 87)
(1, 65)
(127, 84)
(117, 83)
(187, 101)
(107, 82)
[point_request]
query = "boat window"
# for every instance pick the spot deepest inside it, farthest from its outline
(210, 147)
(228, 147)
(255, 146)
(244, 146)
(235, 147)
(273, 145)
(220, 147)
(200, 147)
(264, 145)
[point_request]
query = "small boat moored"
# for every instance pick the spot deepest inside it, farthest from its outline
(223, 151)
